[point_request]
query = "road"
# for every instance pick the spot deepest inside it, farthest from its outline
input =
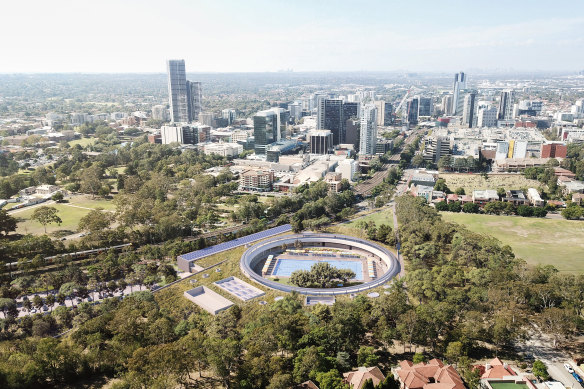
(540, 346)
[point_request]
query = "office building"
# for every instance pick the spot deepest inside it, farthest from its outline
(223, 149)
(174, 134)
(412, 110)
(459, 84)
(229, 115)
(502, 150)
(348, 169)
(177, 91)
(321, 142)
(468, 114)
(265, 130)
(295, 110)
(487, 117)
(207, 118)
(195, 99)
(436, 147)
(330, 117)
(506, 105)
(368, 131)
(159, 112)
(424, 106)
(446, 106)
(352, 133)
(384, 113)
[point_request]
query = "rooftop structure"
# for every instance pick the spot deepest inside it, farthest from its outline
(208, 299)
(239, 288)
(356, 379)
(431, 375)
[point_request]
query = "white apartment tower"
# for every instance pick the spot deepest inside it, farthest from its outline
(368, 132)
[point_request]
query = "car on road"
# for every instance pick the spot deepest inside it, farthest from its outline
(569, 368)
(577, 378)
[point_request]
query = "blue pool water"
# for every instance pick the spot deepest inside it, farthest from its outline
(284, 267)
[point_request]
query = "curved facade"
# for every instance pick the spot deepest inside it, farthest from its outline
(260, 251)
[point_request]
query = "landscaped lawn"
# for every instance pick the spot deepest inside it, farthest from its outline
(472, 182)
(82, 142)
(555, 242)
(88, 202)
(69, 215)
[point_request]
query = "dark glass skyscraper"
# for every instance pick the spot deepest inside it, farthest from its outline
(184, 97)
(265, 130)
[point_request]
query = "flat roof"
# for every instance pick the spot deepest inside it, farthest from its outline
(208, 299)
(239, 288)
(194, 255)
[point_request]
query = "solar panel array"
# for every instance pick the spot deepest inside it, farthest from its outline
(194, 255)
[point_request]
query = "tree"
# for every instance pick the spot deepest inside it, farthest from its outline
(460, 191)
(441, 185)
(68, 290)
(540, 370)
(37, 301)
(8, 307)
(332, 379)
(91, 180)
(501, 193)
(454, 351)
(525, 211)
(442, 206)
(58, 197)
(7, 222)
(96, 221)
(418, 357)
(389, 383)
(470, 208)
(573, 212)
(366, 356)
(454, 206)
(46, 215)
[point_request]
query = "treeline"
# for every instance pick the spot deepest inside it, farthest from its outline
(475, 290)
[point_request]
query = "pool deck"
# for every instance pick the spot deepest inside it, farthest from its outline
(315, 258)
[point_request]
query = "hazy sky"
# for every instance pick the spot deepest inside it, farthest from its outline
(317, 35)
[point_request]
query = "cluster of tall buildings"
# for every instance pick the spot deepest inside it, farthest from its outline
(185, 97)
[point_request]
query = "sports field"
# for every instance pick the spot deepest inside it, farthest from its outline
(471, 182)
(555, 242)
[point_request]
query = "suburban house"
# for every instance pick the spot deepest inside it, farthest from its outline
(578, 198)
(534, 197)
(516, 197)
(431, 375)
(481, 197)
(356, 379)
(306, 385)
(453, 197)
(423, 179)
(423, 191)
(495, 369)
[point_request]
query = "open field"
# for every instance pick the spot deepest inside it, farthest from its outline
(82, 142)
(472, 182)
(70, 213)
(555, 242)
(379, 217)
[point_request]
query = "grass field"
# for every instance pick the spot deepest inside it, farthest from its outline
(379, 217)
(472, 182)
(555, 242)
(82, 142)
(70, 213)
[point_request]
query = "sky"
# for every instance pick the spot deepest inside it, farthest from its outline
(138, 36)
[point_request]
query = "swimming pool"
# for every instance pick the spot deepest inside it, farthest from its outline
(285, 266)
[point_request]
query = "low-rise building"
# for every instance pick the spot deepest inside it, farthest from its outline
(431, 375)
(423, 191)
(356, 379)
(534, 197)
(423, 179)
(573, 187)
(256, 180)
(333, 180)
(516, 197)
(481, 197)
(223, 149)
(463, 199)
(578, 198)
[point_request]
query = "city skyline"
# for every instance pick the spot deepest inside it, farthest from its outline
(425, 36)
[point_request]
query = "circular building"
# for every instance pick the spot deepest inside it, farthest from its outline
(278, 257)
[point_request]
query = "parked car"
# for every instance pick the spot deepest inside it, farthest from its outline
(577, 377)
(33, 310)
(89, 299)
(45, 308)
(569, 368)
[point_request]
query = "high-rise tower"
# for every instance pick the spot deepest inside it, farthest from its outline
(177, 91)
(368, 132)
(459, 84)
